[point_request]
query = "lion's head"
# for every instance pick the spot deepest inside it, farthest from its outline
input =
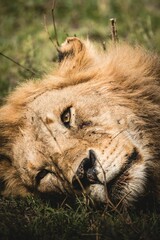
(92, 127)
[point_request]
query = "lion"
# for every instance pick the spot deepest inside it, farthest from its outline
(91, 126)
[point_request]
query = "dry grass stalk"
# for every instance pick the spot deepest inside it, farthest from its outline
(46, 29)
(114, 34)
(54, 24)
(17, 63)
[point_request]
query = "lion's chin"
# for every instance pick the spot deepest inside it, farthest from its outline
(97, 192)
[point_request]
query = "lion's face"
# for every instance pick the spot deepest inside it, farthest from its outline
(91, 128)
(77, 143)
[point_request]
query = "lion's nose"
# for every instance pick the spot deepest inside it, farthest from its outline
(86, 172)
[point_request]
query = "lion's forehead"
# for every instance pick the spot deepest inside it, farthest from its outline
(88, 103)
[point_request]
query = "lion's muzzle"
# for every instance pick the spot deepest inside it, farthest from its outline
(86, 172)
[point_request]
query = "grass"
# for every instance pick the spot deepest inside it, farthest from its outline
(24, 39)
(32, 218)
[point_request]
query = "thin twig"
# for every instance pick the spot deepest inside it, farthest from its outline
(85, 195)
(54, 24)
(49, 130)
(62, 177)
(46, 29)
(114, 33)
(59, 174)
(122, 199)
(17, 63)
(77, 178)
(109, 203)
(117, 134)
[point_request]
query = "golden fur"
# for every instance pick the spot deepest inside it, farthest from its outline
(91, 126)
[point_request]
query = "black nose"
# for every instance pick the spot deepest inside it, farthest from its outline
(86, 172)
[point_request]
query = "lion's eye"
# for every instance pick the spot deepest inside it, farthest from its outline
(66, 117)
(41, 175)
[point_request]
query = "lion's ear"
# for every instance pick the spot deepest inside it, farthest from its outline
(75, 55)
(70, 49)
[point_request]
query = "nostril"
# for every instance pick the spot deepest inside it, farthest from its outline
(89, 162)
(86, 164)
(92, 156)
(92, 175)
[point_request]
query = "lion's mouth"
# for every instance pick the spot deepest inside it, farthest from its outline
(86, 173)
(119, 178)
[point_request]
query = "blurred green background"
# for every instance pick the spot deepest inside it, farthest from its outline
(23, 36)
